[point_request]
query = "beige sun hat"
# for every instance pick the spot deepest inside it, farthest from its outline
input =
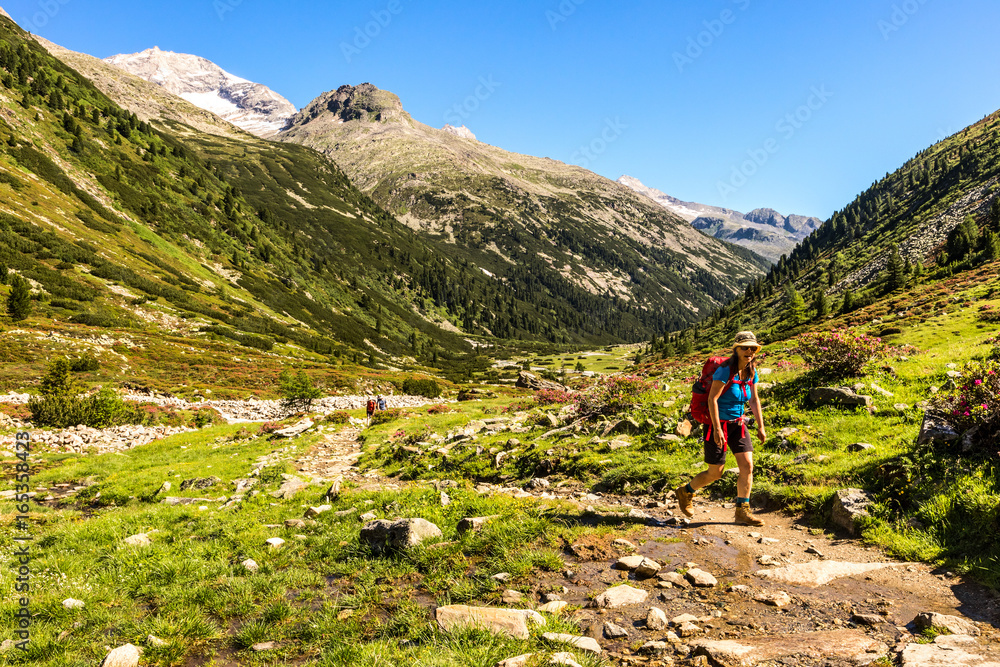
(746, 338)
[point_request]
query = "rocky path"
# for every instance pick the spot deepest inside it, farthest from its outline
(712, 592)
(774, 595)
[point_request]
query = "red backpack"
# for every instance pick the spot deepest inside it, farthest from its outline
(699, 390)
(371, 405)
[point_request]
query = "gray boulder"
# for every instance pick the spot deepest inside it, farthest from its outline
(956, 625)
(839, 396)
(848, 504)
(199, 483)
(382, 535)
(936, 429)
(526, 380)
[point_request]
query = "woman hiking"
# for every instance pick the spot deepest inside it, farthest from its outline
(733, 384)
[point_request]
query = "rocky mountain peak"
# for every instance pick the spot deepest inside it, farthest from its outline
(4, 13)
(463, 132)
(251, 106)
(364, 103)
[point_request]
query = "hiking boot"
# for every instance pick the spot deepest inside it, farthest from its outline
(684, 500)
(745, 516)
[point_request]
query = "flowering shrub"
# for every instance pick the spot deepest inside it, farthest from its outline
(269, 427)
(338, 417)
(519, 406)
(840, 353)
(976, 399)
(988, 314)
(438, 409)
(612, 395)
(552, 396)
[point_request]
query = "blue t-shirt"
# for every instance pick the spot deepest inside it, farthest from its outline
(731, 401)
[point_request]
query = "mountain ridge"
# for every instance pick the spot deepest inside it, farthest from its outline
(488, 200)
(251, 106)
(763, 230)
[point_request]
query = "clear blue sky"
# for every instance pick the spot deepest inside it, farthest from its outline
(692, 98)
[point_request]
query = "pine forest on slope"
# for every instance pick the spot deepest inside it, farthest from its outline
(935, 216)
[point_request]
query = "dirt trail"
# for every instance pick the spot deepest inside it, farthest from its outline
(847, 620)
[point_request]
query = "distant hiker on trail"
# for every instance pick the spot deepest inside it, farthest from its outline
(370, 408)
(734, 383)
(381, 402)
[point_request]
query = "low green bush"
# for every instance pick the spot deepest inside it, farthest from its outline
(101, 410)
(425, 387)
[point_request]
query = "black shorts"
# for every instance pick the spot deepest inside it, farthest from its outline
(737, 441)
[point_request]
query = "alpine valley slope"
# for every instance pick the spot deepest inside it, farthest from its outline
(118, 222)
(605, 260)
(573, 231)
(934, 217)
(311, 249)
(763, 230)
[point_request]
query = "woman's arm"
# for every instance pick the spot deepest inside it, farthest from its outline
(713, 411)
(758, 413)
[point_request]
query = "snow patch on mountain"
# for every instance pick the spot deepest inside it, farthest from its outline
(251, 106)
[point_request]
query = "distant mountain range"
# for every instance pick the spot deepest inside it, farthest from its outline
(250, 106)
(763, 230)
(564, 230)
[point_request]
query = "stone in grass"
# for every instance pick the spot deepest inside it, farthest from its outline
(588, 644)
(647, 568)
(70, 603)
(628, 562)
(516, 661)
(123, 656)
(624, 545)
(263, 646)
(250, 564)
(675, 578)
(701, 579)
(368, 516)
(614, 631)
(512, 622)
(316, 511)
(153, 640)
(956, 625)
(474, 524)
(512, 597)
(848, 504)
(655, 647)
(860, 447)
(274, 542)
(778, 599)
(620, 596)
(656, 619)
(138, 540)
(564, 658)
(382, 536)
(554, 607)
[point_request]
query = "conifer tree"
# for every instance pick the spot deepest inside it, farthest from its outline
(19, 299)
(796, 306)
